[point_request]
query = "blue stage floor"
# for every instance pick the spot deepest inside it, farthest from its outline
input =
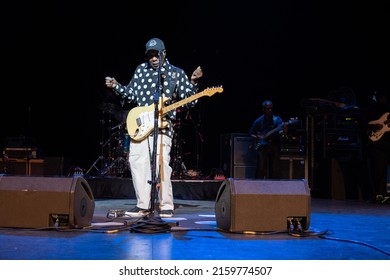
(339, 230)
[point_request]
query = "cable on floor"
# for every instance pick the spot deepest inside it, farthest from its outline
(355, 242)
(150, 224)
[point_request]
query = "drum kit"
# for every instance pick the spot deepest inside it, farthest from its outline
(114, 144)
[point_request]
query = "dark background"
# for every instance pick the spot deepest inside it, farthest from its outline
(55, 57)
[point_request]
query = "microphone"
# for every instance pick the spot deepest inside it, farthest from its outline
(160, 55)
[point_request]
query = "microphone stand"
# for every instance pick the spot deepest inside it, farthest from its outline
(156, 99)
(154, 224)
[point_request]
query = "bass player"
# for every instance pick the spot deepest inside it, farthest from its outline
(267, 130)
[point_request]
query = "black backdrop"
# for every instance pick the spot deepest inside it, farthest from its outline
(55, 60)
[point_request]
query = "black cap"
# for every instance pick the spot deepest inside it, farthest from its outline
(155, 44)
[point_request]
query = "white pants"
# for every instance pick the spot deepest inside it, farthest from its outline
(140, 154)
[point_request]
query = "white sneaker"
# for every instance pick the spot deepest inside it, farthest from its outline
(166, 213)
(137, 212)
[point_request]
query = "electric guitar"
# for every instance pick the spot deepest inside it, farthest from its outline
(262, 139)
(140, 120)
(379, 127)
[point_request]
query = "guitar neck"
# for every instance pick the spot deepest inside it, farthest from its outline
(279, 128)
(269, 133)
(182, 102)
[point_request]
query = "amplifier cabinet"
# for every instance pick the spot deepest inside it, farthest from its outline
(14, 166)
(20, 152)
(38, 167)
(243, 171)
(342, 139)
(293, 167)
(237, 155)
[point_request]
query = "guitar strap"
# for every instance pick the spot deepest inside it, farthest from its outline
(274, 122)
(272, 126)
(172, 81)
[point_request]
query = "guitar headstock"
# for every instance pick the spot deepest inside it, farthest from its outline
(210, 91)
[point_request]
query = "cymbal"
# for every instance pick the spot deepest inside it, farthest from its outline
(109, 108)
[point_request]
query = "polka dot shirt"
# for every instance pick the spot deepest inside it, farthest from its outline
(142, 89)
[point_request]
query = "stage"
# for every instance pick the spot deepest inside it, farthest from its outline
(248, 221)
(118, 187)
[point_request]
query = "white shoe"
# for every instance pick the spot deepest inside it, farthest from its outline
(137, 212)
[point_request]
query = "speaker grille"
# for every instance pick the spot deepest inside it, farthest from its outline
(237, 155)
(261, 205)
(40, 202)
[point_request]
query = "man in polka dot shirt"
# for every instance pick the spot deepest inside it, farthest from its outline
(156, 76)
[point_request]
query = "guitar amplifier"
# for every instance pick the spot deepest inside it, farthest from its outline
(342, 140)
(237, 155)
(293, 167)
(21, 152)
(292, 149)
(14, 166)
(39, 167)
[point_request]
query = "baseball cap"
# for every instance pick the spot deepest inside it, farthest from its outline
(155, 44)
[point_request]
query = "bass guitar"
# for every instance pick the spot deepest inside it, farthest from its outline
(379, 127)
(140, 120)
(262, 139)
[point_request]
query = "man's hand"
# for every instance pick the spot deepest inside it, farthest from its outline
(111, 82)
(196, 75)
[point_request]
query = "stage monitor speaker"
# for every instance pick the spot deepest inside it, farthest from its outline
(44, 202)
(262, 205)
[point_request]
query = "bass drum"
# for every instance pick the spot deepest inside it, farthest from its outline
(120, 166)
(126, 144)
